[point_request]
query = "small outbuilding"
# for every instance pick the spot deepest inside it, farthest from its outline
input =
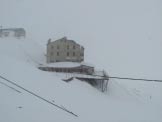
(12, 32)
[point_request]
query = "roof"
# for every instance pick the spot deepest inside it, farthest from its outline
(12, 29)
(68, 64)
(64, 39)
(63, 64)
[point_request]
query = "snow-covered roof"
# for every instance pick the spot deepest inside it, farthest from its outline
(64, 39)
(67, 64)
(63, 64)
(12, 29)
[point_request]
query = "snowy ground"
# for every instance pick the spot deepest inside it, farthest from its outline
(123, 37)
(123, 102)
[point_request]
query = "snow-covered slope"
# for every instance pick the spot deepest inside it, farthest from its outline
(19, 60)
(123, 37)
(22, 49)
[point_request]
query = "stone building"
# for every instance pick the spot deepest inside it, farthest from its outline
(64, 50)
(12, 32)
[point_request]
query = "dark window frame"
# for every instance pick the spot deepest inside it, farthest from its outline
(52, 46)
(68, 47)
(74, 54)
(58, 54)
(67, 54)
(58, 47)
(74, 47)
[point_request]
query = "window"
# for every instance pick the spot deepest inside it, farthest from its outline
(67, 53)
(81, 54)
(52, 47)
(68, 47)
(73, 53)
(51, 54)
(74, 47)
(57, 53)
(58, 47)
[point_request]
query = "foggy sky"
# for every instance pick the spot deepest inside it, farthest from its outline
(122, 36)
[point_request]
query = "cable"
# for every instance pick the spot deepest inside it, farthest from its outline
(10, 87)
(135, 79)
(126, 78)
(39, 96)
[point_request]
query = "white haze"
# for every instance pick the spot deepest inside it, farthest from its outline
(124, 37)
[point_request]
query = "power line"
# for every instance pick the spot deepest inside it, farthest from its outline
(10, 87)
(126, 78)
(134, 79)
(106, 77)
(32, 93)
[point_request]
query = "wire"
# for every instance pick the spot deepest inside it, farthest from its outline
(39, 96)
(10, 87)
(135, 79)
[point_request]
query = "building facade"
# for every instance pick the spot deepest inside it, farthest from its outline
(12, 32)
(64, 50)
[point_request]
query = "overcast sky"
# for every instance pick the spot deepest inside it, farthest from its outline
(122, 36)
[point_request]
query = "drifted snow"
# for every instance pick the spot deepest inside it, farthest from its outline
(122, 37)
(67, 64)
(122, 102)
(63, 64)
